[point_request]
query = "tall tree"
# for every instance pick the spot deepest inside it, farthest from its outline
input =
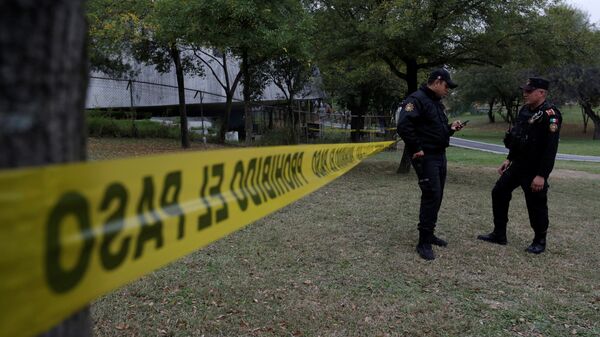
(292, 68)
(42, 94)
(561, 44)
(354, 76)
(151, 33)
(581, 84)
(491, 85)
(249, 31)
(411, 36)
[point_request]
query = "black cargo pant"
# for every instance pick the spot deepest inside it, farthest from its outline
(431, 172)
(537, 202)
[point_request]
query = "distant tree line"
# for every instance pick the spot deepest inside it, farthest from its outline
(369, 54)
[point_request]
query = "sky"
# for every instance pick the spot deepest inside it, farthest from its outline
(590, 6)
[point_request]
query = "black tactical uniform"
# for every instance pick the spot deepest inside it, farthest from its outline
(423, 125)
(532, 144)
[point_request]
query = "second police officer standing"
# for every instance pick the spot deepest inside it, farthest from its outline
(423, 125)
(532, 144)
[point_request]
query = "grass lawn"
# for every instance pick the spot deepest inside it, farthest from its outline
(342, 262)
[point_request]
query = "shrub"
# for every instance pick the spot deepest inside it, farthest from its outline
(108, 127)
(278, 136)
(119, 114)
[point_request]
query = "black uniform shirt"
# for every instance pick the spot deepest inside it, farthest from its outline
(423, 124)
(537, 134)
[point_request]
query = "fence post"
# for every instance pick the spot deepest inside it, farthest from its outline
(202, 116)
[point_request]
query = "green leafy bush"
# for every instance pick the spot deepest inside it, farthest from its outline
(119, 114)
(108, 127)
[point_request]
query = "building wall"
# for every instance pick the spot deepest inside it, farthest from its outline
(154, 89)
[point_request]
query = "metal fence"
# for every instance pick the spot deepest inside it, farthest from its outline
(316, 121)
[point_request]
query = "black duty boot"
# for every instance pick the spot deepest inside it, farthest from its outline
(538, 246)
(424, 245)
(437, 241)
(493, 237)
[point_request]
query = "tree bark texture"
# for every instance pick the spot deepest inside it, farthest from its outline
(491, 115)
(358, 110)
(185, 136)
(412, 84)
(587, 108)
(43, 81)
(248, 115)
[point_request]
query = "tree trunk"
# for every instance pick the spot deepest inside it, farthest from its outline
(42, 95)
(587, 108)
(358, 110)
(491, 115)
(185, 137)
(249, 118)
(225, 124)
(412, 82)
(585, 117)
(289, 120)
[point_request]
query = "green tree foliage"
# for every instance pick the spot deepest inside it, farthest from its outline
(560, 43)
(292, 69)
(150, 32)
(580, 83)
(253, 32)
(352, 74)
(111, 34)
(410, 35)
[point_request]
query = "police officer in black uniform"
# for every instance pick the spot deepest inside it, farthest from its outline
(532, 142)
(423, 125)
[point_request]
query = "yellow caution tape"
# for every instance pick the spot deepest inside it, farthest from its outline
(71, 233)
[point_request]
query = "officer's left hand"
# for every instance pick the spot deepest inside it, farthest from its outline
(456, 126)
(537, 184)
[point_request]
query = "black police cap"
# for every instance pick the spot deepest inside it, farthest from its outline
(535, 83)
(442, 74)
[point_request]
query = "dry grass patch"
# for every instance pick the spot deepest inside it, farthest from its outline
(342, 262)
(112, 148)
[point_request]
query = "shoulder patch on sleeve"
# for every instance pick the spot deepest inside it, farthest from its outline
(409, 107)
(550, 112)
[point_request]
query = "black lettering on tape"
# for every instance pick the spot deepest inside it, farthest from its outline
(59, 279)
(205, 220)
(171, 205)
(218, 171)
(315, 163)
(150, 230)
(266, 181)
(287, 172)
(238, 175)
(115, 193)
(279, 175)
(249, 182)
(294, 170)
(259, 182)
(300, 161)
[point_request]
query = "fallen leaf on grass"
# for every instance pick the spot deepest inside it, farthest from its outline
(122, 326)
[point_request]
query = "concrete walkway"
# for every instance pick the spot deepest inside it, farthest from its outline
(499, 149)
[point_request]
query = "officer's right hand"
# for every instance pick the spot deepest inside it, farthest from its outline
(503, 167)
(418, 154)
